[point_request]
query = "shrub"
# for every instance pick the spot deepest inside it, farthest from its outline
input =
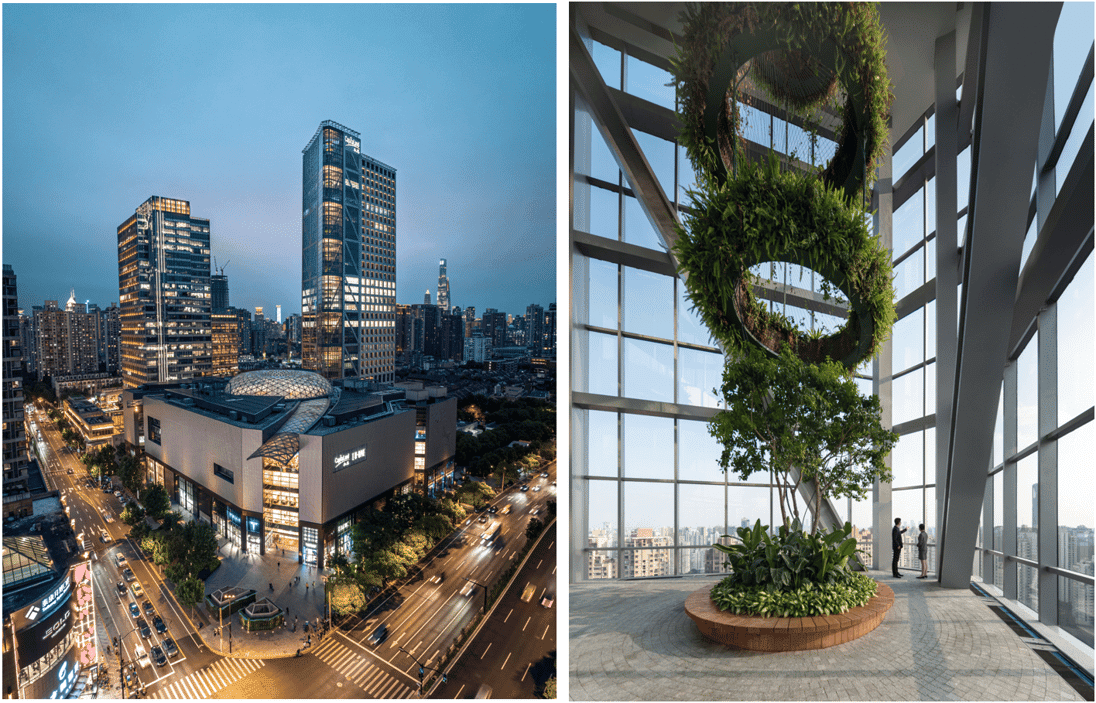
(790, 560)
(807, 600)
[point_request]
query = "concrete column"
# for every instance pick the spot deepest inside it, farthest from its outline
(1008, 484)
(947, 262)
(1047, 521)
(882, 513)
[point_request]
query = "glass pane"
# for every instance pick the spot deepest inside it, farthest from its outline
(930, 388)
(1075, 500)
(637, 228)
(862, 527)
(660, 155)
(1075, 609)
(648, 446)
(908, 341)
(907, 156)
(648, 522)
(1072, 40)
(1073, 143)
(603, 513)
(689, 327)
(962, 185)
(648, 370)
(698, 453)
(930, 259)
(909, 223)
(700, 514)
(650, 83)
(930, 461)
(909, 275)
(999, 512)
(745, 506)
(1029, 242)
(909, 505)
(907, 461)
(604, 217)
(607, 60)
(602, 163)
(601, 564)
(1027, 394)
(908, 396)
(701, 561)
(930, 329)
(602, 444)
(648, 303)
(1027, 507)
(602, 363)
(700, 375)
(999, 429)
(930, 208)
(930, 526)
(603, 294)
(1075, 348)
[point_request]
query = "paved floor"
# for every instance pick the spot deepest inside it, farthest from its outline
(631, 640)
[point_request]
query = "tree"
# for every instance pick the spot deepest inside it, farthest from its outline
(387, 566)
(550, 688)
(132, 514)
(190, 592)
(802, 422)
(156, 501)
(130, 470)
(533, 529)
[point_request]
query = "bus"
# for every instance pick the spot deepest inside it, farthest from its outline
(490, 533)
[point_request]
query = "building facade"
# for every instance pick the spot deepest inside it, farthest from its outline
(14, 435)
(164, 293)
(348, 283)
(443, 287)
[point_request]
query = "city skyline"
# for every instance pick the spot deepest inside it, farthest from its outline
(149, 124)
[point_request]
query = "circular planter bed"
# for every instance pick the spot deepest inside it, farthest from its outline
(786, 634)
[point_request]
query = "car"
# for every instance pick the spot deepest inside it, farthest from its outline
(524, 488)
(544, 474)
(140, 657)
(469, 589)
(123, 500)
(134, 611)
(121, 588)
(121, 559)
(506, 510)
(482, 518)
(534, 511)
(536, 488)
(158, 656)
(145, 630)
(529, 592)
(127, 574)
(484, 691)
(161, 628)
(147, 607)
(438, 577)
(104, 535)
(137, 590)
(170, 648)
(547, 601)
(493, 509)
(69, 472)
(379, 634)
(117, 494)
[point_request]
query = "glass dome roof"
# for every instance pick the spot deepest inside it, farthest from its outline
(289, 383)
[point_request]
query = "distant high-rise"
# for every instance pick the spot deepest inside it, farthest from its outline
(226, 343)
(443, 287)
(164, 293)
(550, 330)
(111, 325)
(426, 298)
(469, 320)
(348, 282)
(15, 438)
(68, 340)
(278, 308)
(494, 326)
(534, 329)
(219, 291)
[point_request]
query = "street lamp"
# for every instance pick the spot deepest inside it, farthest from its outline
(423, 668)
(121, 662)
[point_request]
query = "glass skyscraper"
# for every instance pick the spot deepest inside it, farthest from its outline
(348, 283)
(164, 293)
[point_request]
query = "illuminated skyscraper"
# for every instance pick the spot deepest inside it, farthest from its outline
(443, 287)
(164, 293)
(348, 282)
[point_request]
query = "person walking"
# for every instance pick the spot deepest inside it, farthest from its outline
(896, 545)
(923, 551)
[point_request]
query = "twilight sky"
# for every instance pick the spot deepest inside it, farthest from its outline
(106, 105)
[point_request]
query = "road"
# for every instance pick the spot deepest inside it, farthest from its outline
(515, 651)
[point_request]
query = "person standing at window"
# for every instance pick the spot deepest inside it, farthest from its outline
(896, 545)
(923, 551)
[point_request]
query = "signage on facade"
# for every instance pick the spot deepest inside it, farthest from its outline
(348, 459)
(233, 516)
(253, 524)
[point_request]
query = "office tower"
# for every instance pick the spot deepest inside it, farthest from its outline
(455, 334)
(348, 237)
(534, 329)
(219, 290)
(111, 326)
(164, 293)
(494, 327)
(15, 439)
(243, 329)
(426, 298)
(550, 330)
(226, 343)
(426, 330)
(469, 320)
(279, 317)
(258, 334)
(26, 342)
(404, 331)
(443, 287)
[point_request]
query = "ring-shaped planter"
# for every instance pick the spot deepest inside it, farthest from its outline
(765, 215)
(844, 41)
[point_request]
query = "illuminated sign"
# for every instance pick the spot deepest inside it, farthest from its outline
(233, 516)
(347, 459)
(253, 524)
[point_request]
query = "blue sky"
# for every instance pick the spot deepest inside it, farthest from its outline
(106, 105)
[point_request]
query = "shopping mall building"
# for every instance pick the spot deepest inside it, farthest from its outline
(283, 459)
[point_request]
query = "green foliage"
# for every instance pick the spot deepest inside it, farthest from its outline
(190, 592)
(132, 514)
(550, 688)
(475, 493)
(347, 596)
(766, 214)
(156, 500)
(533, 529)
(808, 600)
(790, 559)
(783, 414)
(523, 419)
(130, 471)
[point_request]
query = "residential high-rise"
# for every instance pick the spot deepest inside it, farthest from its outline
(226, 344)
(348, 283)
(68, 340)
(164, 293)
(443, 287)
(469, 320)
(15, 439)
(550, 330)
(111, 326)
(494, 326)
(534, 329)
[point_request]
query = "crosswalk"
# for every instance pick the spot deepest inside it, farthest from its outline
(208, 680)
(361, 670)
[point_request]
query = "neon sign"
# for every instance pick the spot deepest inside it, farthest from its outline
(350, 458)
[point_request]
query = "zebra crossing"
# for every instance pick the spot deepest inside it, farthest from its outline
(208, 680)
(359, 669)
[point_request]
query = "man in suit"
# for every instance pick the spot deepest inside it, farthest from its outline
(896, 545)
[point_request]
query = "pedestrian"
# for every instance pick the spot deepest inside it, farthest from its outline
(279, 566)
(923, 551)
(896, 545)
(306, 589)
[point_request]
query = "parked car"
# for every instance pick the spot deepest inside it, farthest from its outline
(121, 588)
(127, 574)
(536, 488)
(161, 628)
(137, 590)
(147, 607)
(158, 656)
(117, 494)
(134, 611)
(144, 629)
(170, 648)
(121, 559)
